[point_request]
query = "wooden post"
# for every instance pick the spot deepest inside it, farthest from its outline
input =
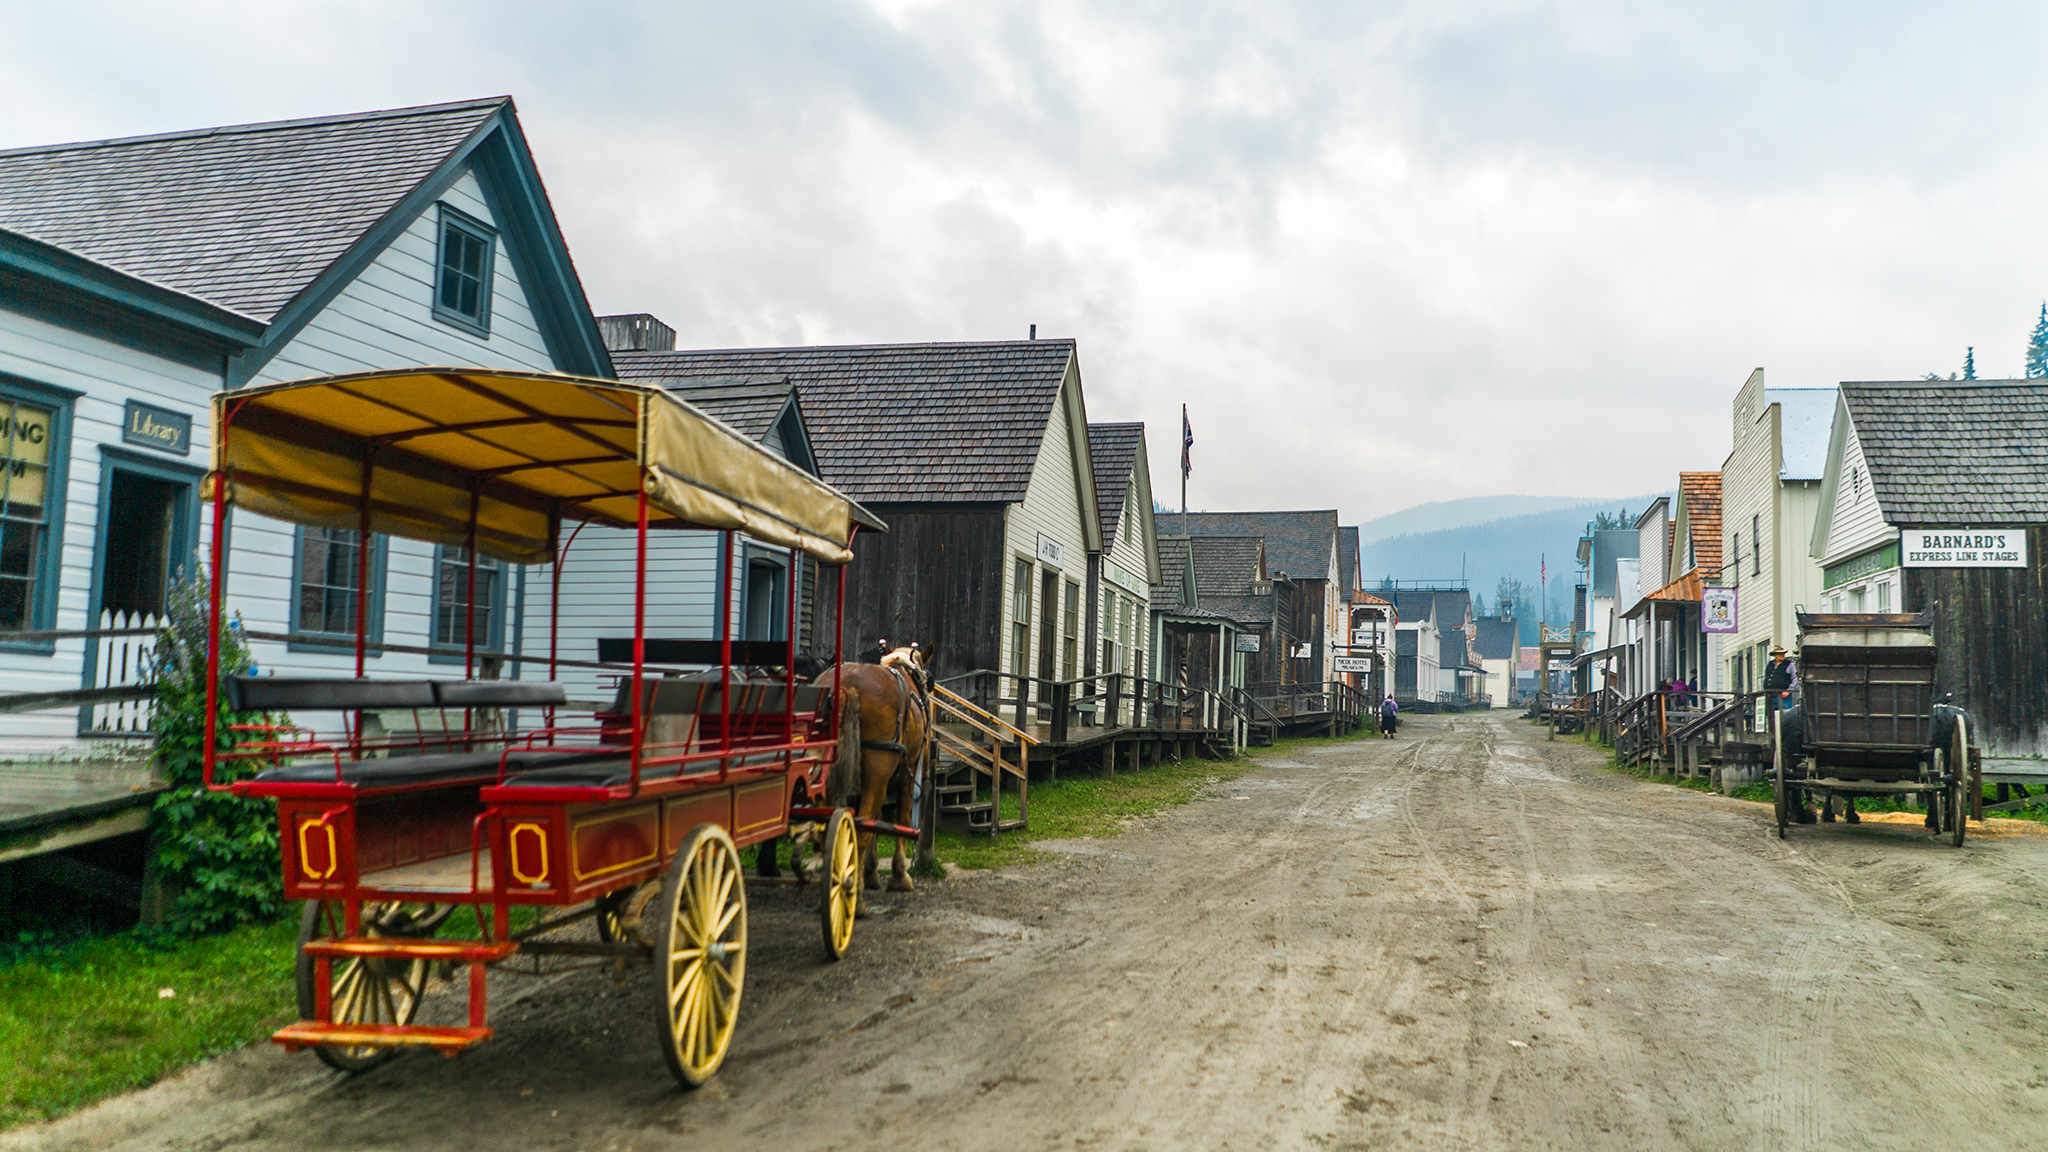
(1109, 758)
(1062, 703)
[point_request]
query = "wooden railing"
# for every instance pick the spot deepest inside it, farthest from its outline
(993, 749)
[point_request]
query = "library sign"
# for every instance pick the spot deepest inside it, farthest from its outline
(1963, 547)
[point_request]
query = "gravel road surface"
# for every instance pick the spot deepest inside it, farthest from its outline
(1468, 937)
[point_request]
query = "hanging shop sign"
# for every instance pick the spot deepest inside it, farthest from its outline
(1718, 611)
(1351, 663)
(1963, 547)
(1246, 642)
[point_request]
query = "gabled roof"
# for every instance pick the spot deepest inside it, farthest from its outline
(907, 423)
(1496, 638)
(244, 216)
(1957, 452)
(1448, 604)
(750, 407)
(269, 221)
(754, 409)
(1300, 544)
(1347, 563)
(1227, 565)
(1699, 494)
(1115, 449)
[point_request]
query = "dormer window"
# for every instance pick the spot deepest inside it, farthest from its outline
(462, 289)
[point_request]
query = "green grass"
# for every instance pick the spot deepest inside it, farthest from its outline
(82, 1021)
(1089, 804)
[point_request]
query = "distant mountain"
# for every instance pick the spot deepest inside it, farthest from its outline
(1513, 546)
(1440, 514)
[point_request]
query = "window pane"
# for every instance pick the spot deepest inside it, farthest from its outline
(327, 581)
(14, 597)
(451, 599)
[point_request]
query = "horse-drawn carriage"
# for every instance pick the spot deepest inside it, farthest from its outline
(1867, 723)
(632, 817)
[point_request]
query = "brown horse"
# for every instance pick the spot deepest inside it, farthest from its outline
(894, 699)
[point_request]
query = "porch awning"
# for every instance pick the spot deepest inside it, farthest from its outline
(1684, 590)
(1598, 654)
(428, 449)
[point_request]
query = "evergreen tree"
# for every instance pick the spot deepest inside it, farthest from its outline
(1970, 363)
(2037, 347)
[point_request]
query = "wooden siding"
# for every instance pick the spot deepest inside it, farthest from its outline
(1653, 571)
(384, 319)
(1749, 481)
(1051, 506)
(939, 577)
(1992, 625)
(1855, 522)
(597, 598)
(62, 357)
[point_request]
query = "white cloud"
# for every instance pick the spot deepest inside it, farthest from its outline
(1385, 253)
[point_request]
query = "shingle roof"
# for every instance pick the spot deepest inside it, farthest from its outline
(1955, 452)
(1347, 562)
(1114, 447)
(903, 423)
(245, 216)
(750, 407)
(1700, 492)
(1297, 543)
(1226, 565)
(1413, 604)
(1496, 639)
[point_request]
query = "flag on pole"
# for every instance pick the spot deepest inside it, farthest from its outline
(1187, 443)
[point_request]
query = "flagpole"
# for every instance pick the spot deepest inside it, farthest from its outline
(1184, 470)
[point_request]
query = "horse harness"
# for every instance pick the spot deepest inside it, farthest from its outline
(911, 691)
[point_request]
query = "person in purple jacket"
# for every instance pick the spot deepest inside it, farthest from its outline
(1390, 714)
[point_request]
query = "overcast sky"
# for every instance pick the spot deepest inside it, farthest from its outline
(1385, 252)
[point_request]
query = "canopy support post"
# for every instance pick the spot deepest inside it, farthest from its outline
(789, 662)
(469, 601)
(363, 584)
(639, 714)
(217, 550)
(555, 617)
(725, 650)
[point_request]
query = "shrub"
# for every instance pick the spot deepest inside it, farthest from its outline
(217, 853)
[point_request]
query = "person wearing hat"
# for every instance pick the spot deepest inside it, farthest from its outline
(1779, 679)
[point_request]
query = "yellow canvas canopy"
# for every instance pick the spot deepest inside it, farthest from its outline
(428, 449)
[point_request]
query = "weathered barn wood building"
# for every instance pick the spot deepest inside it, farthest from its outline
(1301, 562)
(977, 457)
(1961, 460)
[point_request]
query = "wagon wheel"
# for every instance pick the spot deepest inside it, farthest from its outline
(701, 940)
(842, 882)
(1778, 797)
(366, 990)
(622, 915)
(1959, 767)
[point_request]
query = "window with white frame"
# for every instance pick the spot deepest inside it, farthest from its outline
(453, 601)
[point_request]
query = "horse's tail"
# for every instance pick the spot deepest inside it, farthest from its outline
(843, 783)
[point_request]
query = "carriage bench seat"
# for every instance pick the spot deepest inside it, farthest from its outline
(617, 773)
(431, 768)
(327, 694)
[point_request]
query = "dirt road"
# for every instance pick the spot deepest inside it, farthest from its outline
(1468, 937)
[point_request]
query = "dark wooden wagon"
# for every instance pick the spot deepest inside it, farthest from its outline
(1868, 721)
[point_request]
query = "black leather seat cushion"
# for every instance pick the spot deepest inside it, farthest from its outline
(617, 773)
(307, 694)
(432, 767)
(498, 693)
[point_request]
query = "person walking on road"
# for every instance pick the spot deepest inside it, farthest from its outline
(1390, 713)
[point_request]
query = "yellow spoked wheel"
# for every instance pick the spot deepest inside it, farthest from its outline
(842, 880)
(701, 950)
(366, 990)
(1959, 789)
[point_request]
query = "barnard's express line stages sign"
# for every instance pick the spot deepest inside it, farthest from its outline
(1963, 547)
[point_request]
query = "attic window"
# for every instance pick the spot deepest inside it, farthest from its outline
(462, 288)
(1855, 485)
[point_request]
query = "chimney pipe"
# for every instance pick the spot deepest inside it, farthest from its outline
(1034, 331)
